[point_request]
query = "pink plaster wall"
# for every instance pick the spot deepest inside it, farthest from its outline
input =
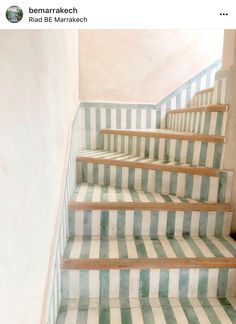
(142, 65)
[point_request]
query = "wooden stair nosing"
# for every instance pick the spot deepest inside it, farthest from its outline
(208, 108)
(159, 134)
(148, 263)
(197, 170)
(204, 91)
(73, 205)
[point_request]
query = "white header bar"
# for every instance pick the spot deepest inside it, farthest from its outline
(119, 14)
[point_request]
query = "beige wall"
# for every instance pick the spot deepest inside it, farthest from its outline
(142, 65)
(38, 91)
(229, 63)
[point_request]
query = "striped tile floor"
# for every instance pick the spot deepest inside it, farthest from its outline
(97, 193)
(153, 163)
(148, 311)
(190, 151)
(148, 223)
(117, 156)
(96, 247)
(149, 175)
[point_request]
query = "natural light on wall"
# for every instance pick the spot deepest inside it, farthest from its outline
(143, 65)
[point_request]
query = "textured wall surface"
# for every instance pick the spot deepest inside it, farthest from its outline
(229, 71)
(142, 66)
(53, 293)
(39, 97)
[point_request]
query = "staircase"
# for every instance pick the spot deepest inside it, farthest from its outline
(149, 225)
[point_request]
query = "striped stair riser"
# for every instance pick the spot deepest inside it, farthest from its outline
(94, 118)
(146, 283)
(212, 123)
(202, 99)
(172, 183)
(217, 96)
(201, 122)
(90, 139)
(119, 116)
(226, 181)
(220, 92)
(153, 223)
(192, 152)
(148, 310)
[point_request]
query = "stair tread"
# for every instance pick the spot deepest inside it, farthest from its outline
(203, 108)
(85, 192)
(115, 158)
(164, 133)
(139, 247)
(153, 130)
(94, 194)
(148, 310)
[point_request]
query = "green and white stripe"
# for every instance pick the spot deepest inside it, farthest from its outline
(212, 123)
(226, 181)
(149, 283)
(96, 193)
(220, 88)
(153, 223)
(202, 99)
(183, 151)
(149, 311)
(97, 115)
(148, 295)
(217, 96)
(135, 247)
(199, 187)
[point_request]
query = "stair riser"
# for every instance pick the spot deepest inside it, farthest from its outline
(212, 123)
(225, 186)
(153, 223)
(108, 115)
(202, 99)
(148, 283)
(96, 116)
(192, 152)
(180, 184)
(147, 311)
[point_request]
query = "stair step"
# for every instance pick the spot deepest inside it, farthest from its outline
(163, 144)
(165, 133)
(149, 263)
(99, 197)
(203, 97)
(206, 108)
(147, 310)
(132, 172)
(162, 251)
(133, 161)
(153, 223)
(176, 282)
(209, 120)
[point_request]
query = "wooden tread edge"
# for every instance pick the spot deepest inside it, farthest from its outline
(147, 263)
(169, 206)
(197, 170)
(204, 91)
(159, 134)
(208, 108)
